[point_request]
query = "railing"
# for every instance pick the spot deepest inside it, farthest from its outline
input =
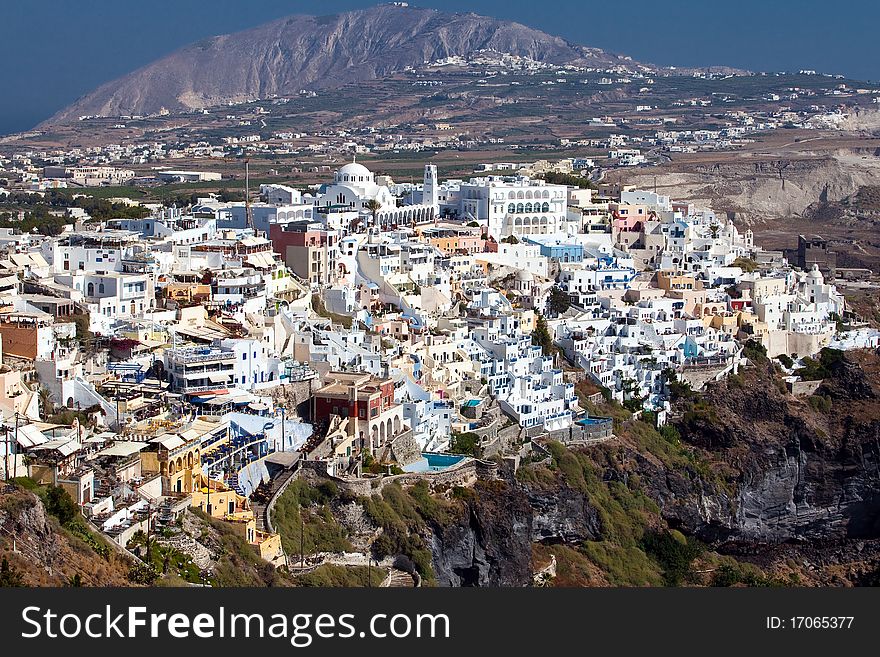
(201, 358)
(216, 386)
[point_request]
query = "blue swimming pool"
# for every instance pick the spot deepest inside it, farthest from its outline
(433, 462)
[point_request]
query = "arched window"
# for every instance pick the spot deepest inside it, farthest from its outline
(528, 207)
(520, 208)
(511, 195)
(546, 193)
(511, 208)
(519, 194)
(90, 290)
(528, 194)
(545, 207)
(100, 288)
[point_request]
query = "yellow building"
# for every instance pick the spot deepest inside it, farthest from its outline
(676, 280)
(225, 504)
(176, 457)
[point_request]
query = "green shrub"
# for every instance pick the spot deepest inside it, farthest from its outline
(786, 360)
(10, 576)
(820, 403)
(59, 503)
(331, 575)
(623, 566)
(464, 443)
(755, 351)
(303, 518)
(673, 553)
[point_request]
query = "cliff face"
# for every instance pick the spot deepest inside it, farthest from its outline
(490, 542)
(782, 187)
(751, 471)
(47, 555)
(801, 469)
(308, 52)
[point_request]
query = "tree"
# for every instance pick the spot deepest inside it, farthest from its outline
(47, 407)
(754, 350)
(61, 505)
(373, 206)
(541, 336)
(746, 264)
(558, 301)
(464, 443)
(570, 179)
(10, 575)
(510, 239)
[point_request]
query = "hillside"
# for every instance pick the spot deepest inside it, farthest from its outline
(308, 52)
(749, 485)
(44, 542)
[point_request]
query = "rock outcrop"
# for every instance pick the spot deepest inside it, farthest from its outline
(797, 473)
(489, 544)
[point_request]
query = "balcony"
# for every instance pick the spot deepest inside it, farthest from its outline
(200, 356)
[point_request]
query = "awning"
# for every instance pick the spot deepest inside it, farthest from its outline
(30, 436)
(64, 446)
(218, 377)
(123, 449)
(169, 442)
(204, 395)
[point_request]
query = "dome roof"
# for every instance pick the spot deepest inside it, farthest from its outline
(524, 276)
(354, 169)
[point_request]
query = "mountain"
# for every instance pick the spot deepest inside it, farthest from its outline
(309, 52)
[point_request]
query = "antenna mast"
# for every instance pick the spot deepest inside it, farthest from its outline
(247, 194)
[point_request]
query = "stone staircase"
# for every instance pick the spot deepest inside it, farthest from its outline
(398, 579)
(263, 499)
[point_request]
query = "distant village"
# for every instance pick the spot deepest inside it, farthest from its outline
(371, 330)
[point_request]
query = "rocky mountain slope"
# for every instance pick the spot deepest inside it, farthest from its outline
(308, 52)
(38, 550)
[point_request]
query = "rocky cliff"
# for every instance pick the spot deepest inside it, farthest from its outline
(40, 552)
(489, 543)
(766, 188)
(750, 484)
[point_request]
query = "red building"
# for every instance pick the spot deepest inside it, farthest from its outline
(367, 399)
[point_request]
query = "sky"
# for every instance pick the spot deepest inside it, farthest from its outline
(54, 51)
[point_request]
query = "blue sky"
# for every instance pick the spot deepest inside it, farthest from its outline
(53, 51)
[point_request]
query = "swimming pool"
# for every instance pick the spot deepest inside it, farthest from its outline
(433, 462)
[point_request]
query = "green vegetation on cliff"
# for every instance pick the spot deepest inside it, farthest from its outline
(303, 517)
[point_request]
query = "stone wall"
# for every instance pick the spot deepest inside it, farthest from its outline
(294, 394)
(698, 377)
(463, 474)
(579, 434)
(804, 388)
